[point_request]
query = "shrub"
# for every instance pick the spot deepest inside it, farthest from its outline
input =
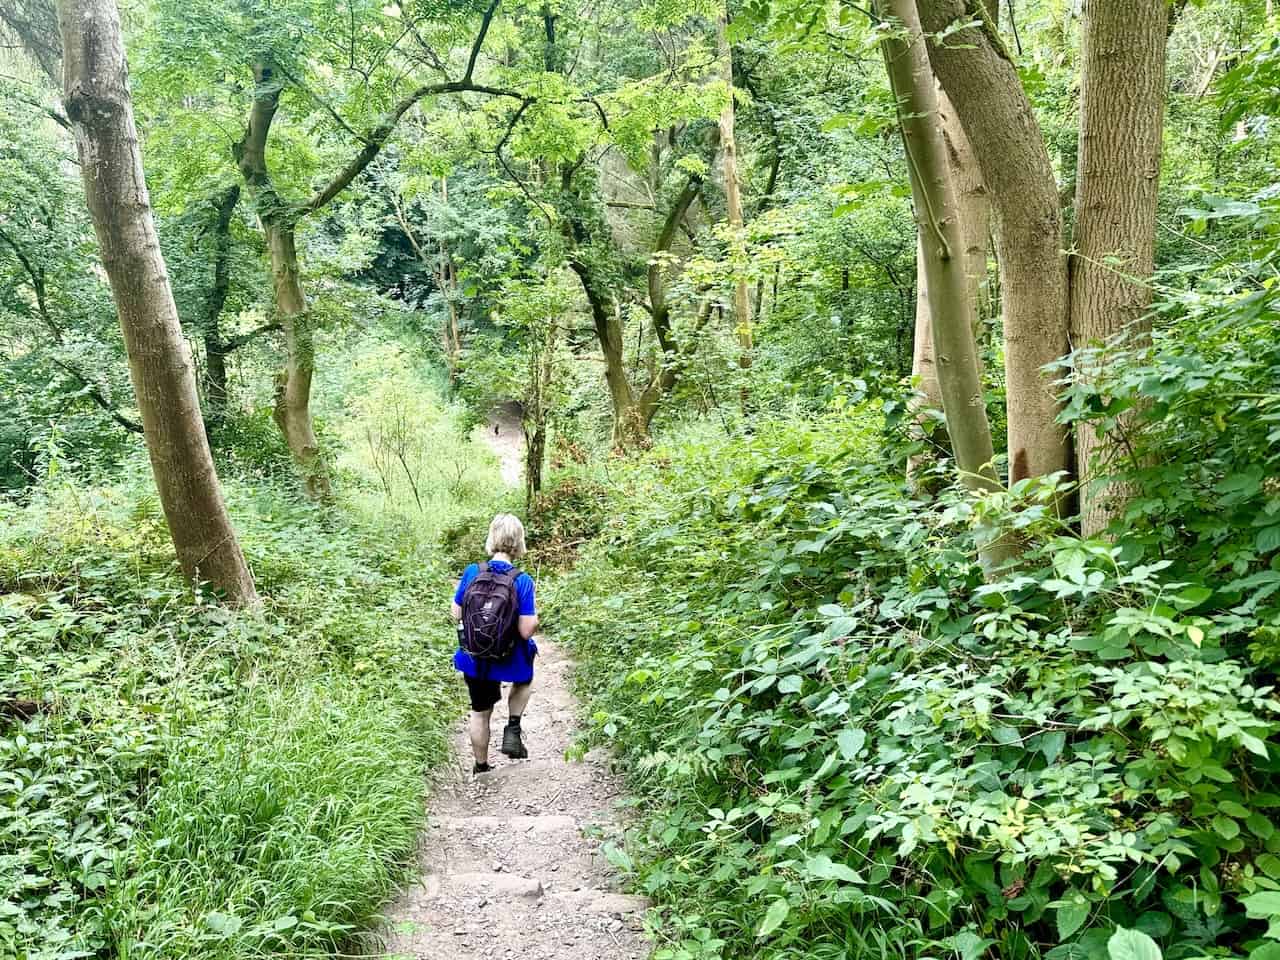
(848, 744)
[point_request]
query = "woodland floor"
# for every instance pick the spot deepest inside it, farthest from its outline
(511, 862)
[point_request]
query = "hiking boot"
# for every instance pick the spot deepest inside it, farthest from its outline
(480, 768)
(512, 745)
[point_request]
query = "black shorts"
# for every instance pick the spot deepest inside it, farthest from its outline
(485, 693)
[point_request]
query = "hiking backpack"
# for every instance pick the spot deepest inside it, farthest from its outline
(490, 608)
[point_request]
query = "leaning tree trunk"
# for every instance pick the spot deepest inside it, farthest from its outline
(982, 83)
(733, 199)
(1121, 122)
(292, 411)
(95, 78)
(974, 208)
(951, 309)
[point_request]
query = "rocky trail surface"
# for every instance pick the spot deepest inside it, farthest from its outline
(511, 863)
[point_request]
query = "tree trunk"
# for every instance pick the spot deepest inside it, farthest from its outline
(215, 350)
(733, 199)
(541, 372)
(951, 309)
(974, 208)
(95, 77)
(292, 412)
(982, 83)
(1121, 123)
(215, 379)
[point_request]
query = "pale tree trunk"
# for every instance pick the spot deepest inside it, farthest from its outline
(982, 83)
(95, 78)
(733, 196)
(974, 209)
(1121, 123)
(951, 309)
(292, 412)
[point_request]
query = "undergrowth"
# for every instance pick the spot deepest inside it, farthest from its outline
(847, 744)
(178, 779)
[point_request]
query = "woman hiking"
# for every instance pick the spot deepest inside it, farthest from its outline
(496, 616)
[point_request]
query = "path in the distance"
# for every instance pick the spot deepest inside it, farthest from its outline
(511, 863)
(504, 435)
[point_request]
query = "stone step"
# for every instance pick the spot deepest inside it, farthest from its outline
(491, 885)
(537, 825)
(599, 901)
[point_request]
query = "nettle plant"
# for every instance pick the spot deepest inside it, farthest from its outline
(856, 745)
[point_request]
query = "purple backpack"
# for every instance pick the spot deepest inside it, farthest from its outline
(490, 611)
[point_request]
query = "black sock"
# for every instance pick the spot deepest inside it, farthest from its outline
(514, 721)
(481, 768)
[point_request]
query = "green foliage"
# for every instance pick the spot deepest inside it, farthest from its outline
(179, 779)
(850, 745)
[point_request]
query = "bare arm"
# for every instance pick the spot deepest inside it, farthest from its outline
(455, 611)
(527, 626)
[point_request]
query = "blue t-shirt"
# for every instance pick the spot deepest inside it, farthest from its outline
(518, 668)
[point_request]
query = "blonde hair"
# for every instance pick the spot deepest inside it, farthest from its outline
(506, 535)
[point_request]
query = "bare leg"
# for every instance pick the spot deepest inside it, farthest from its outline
(518, 699)
(478, 729)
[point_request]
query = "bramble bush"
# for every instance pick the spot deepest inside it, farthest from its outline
(848, 744)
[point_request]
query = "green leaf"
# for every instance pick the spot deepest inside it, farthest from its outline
(1225, 827)
(773, 917)
(222, 924)
(1132, 945)
(822, 867)
(1051, 745)
(790, 683)
(1073, 911)
(1262, 906)
(1268, 539)
(850, 741)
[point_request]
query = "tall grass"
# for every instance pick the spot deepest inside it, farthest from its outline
(201, 782)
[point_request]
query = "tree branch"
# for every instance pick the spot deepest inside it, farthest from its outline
(92, 391)
(376, 139)
(235, 343)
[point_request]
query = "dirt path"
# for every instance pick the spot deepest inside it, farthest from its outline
(505, 437)
(511, 863)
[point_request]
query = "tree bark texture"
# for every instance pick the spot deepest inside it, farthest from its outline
(982, 83)
(951, 309)
(1121, 124)
(96, 91)
(974, 208)
(292, 412)
(733, 195)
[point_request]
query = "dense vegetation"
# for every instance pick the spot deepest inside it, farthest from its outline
(899, 385)
(181, 780)
(854, 744)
